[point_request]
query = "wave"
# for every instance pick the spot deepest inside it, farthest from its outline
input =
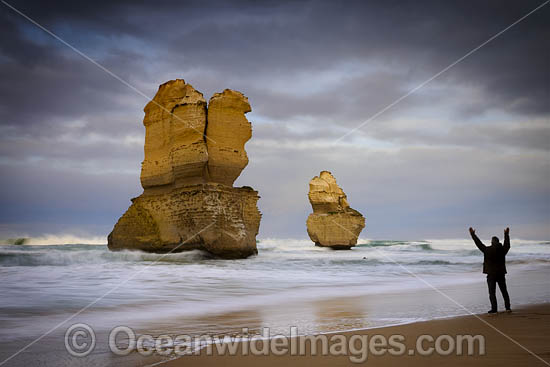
(373, 252)
(375, 262)
(55, 239)
(382, 243)
(267, 243)
(75, 255)
(406, 244)
(60, 258)
(528, 261)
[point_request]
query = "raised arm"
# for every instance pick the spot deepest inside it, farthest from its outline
(506, 245)
(478, 243)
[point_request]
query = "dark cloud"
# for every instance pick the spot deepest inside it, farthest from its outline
(247, 40)
(312, 70)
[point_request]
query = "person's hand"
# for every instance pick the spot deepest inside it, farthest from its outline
(472, 231)
(507, 231)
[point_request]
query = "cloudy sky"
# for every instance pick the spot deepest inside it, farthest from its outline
(469, 148)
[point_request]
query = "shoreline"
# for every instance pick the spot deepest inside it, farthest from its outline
(527, 325)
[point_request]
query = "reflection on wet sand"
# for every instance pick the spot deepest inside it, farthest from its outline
(341, 314)
(318, 316)
(231, 323)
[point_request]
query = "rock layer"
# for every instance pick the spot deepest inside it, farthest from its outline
(193, 154)
(219, 219)
(333, 222)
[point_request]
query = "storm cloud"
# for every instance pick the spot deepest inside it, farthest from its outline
(469, 148)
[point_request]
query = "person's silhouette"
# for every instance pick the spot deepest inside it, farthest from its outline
(494, 265)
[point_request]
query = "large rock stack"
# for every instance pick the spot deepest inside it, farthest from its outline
(333, 223)
(193, 154)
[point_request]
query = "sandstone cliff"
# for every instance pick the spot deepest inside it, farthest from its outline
(333, 222)
(193, 154)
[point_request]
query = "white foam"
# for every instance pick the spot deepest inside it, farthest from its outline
(65, 239)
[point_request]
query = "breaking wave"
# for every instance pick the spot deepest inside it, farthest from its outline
(64, 255)
(53, 239)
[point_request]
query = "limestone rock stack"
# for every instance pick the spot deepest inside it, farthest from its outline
(175, 150)
(333, 222)
(193, 154)
(228, 130)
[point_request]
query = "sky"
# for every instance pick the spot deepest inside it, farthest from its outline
(468, 148)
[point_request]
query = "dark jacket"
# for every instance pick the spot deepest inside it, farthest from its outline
(494, 256)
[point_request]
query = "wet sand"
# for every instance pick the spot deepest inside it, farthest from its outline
(529, 326)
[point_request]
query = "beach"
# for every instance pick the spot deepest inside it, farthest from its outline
(527, 326)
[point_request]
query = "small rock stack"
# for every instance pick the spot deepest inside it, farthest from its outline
(333, 223)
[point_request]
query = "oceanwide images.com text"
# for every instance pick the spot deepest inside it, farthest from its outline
(80, 340)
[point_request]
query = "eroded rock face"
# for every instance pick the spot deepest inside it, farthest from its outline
(333, 222)
(228, 130)
(187, 175)
(175, 147)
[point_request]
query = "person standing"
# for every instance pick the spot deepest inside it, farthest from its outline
(494, 265)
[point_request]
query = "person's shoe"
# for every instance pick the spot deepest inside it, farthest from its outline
(508, 310)
(492, 312)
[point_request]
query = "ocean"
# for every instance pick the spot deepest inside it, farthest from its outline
(289, 283)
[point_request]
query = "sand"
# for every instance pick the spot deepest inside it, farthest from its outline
(527, 326)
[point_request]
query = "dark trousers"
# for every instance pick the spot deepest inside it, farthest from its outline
(492, 281)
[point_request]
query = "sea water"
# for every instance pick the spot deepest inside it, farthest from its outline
(289, 283)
